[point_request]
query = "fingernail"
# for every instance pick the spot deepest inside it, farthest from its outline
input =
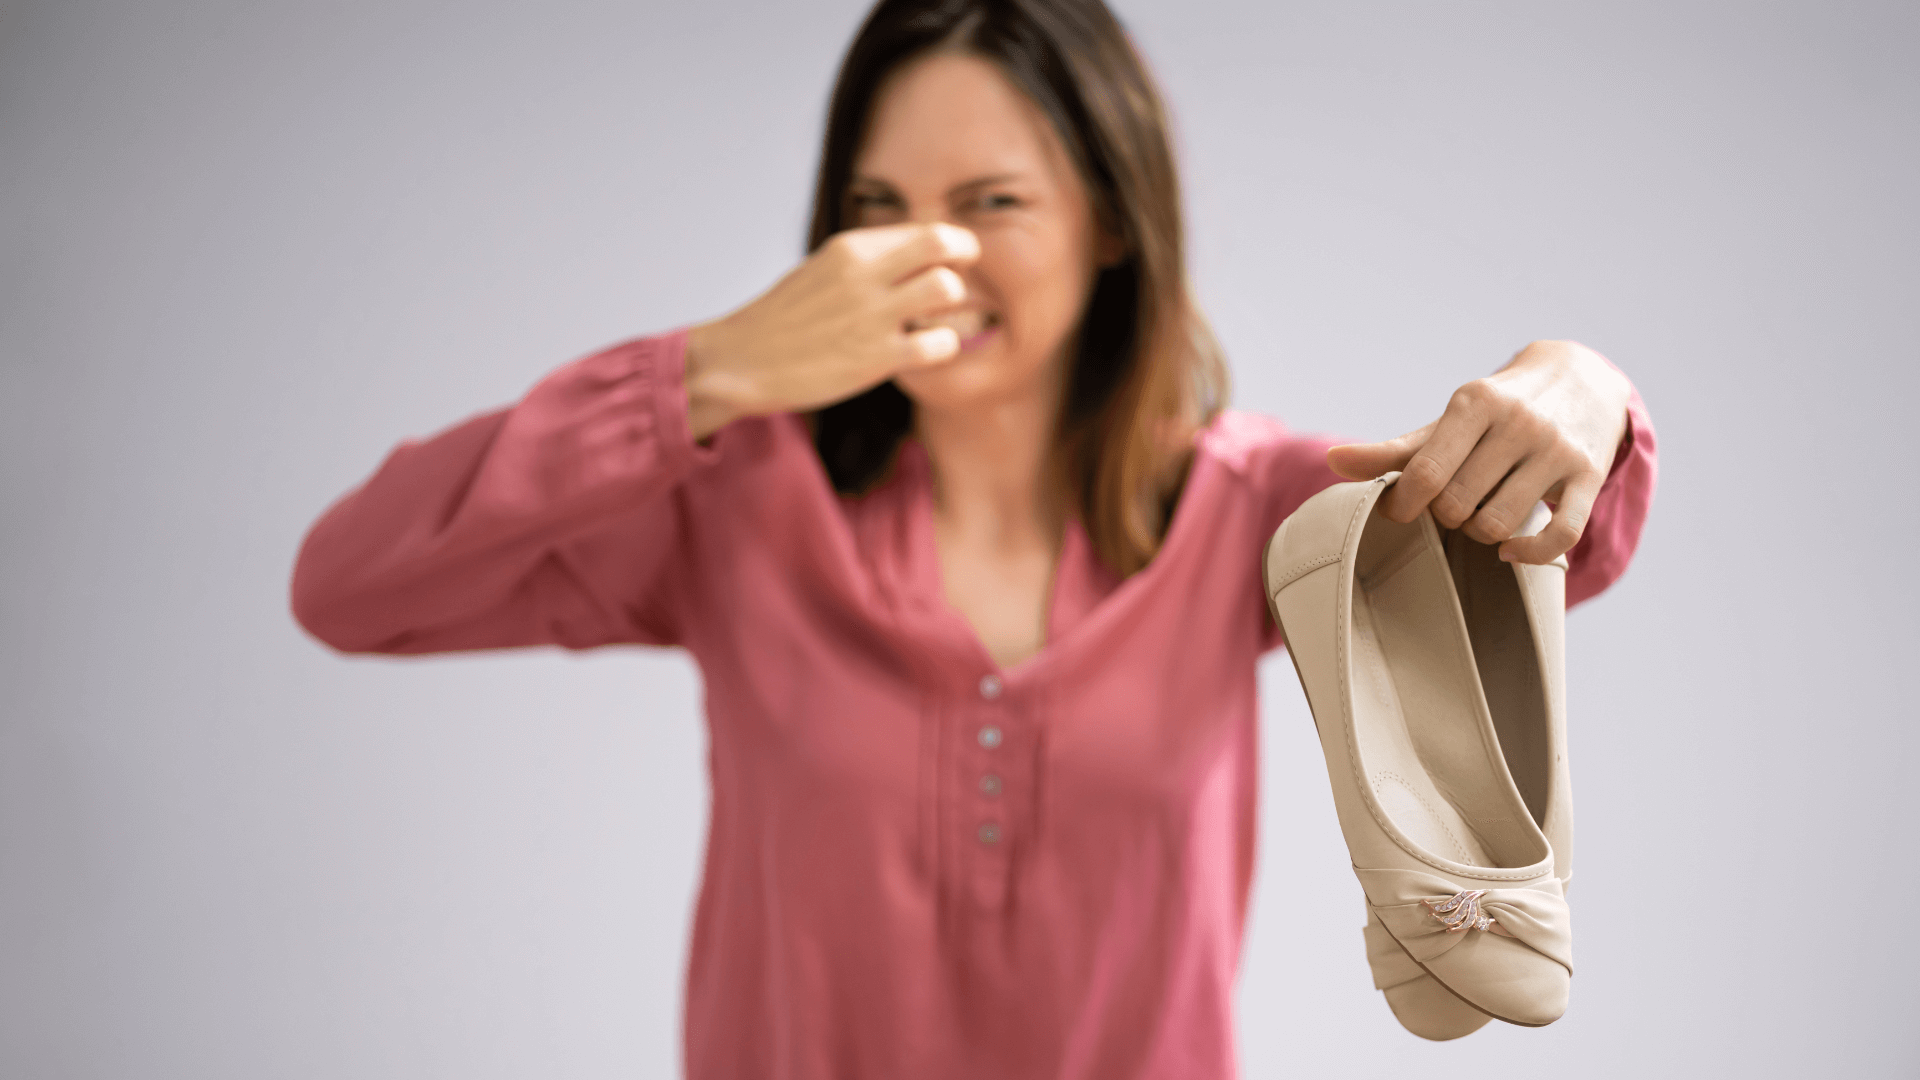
(1506, 556)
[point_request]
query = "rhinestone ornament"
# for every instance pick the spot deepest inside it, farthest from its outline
(1461, 912)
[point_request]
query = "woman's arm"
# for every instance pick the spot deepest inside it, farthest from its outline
(554, 521)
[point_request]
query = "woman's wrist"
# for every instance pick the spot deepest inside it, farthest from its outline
(713, 393)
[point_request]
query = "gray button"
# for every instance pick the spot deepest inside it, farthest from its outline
(989, 833)
(989, 785)
(989, 736)
(990, 687)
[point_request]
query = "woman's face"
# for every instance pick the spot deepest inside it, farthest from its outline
(952, 140)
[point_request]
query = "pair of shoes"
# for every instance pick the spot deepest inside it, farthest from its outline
(1458, 875)
(1516, 622)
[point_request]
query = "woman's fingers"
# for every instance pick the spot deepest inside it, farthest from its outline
(1508, 508)
(1364, 461)
(927, 293)
(1568, 524)
(1501, 455)
(931, 291)
(932, 346)
(902, 251)
(1428, 470)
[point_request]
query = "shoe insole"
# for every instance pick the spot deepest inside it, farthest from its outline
(1424, 747)
(1509, 665)
(1400, 782)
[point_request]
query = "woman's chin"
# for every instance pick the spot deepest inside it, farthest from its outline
(981, 376)
(971, 378)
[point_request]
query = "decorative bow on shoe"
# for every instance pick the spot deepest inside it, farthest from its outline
(1430, 915)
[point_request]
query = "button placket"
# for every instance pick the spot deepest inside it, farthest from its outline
(990, 737)
(991, 790)
(987, 786)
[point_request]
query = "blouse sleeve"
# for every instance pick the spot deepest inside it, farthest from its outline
(1619, 511)
(556, 521)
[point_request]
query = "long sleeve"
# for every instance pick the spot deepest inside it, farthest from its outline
(1619, 511)
(554, 521)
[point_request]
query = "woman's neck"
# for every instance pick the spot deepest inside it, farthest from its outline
(995, 476)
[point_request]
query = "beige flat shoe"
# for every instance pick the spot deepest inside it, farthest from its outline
(1516, 621)
(1456, 871)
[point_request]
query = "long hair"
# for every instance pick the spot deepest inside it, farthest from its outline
(1147, 372)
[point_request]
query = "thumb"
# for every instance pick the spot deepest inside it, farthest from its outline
(1364, 461)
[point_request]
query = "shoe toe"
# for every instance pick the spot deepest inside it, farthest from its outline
(1422, 1006)
(1501, 976)
(1431, 1011)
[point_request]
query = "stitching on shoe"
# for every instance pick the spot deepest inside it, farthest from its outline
(1295, 572)
(1453, 838)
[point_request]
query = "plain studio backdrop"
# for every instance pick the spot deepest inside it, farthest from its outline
(247, 247)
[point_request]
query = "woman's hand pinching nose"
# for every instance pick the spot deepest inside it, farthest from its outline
(838, 324)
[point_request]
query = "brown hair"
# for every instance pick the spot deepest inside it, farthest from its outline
(1147, 372)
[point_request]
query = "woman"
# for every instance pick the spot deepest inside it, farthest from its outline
(966, 548)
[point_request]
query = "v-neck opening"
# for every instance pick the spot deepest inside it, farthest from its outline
(930, 584)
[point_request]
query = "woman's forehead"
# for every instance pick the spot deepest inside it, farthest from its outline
(951, 118)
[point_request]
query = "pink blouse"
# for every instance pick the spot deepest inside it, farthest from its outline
(918, 864)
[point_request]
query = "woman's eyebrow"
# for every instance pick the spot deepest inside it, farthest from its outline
(983, 181)
(977, 182)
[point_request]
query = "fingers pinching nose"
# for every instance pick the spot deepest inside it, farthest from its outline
(956, 242)
(944, 287)
(933, 345)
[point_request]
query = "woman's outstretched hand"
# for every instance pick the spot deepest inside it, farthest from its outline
(1544, 427)
(834, 326)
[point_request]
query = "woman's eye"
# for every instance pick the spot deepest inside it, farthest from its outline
(998, 202)
(868, 209)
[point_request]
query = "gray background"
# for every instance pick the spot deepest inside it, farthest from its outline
(245, 248)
